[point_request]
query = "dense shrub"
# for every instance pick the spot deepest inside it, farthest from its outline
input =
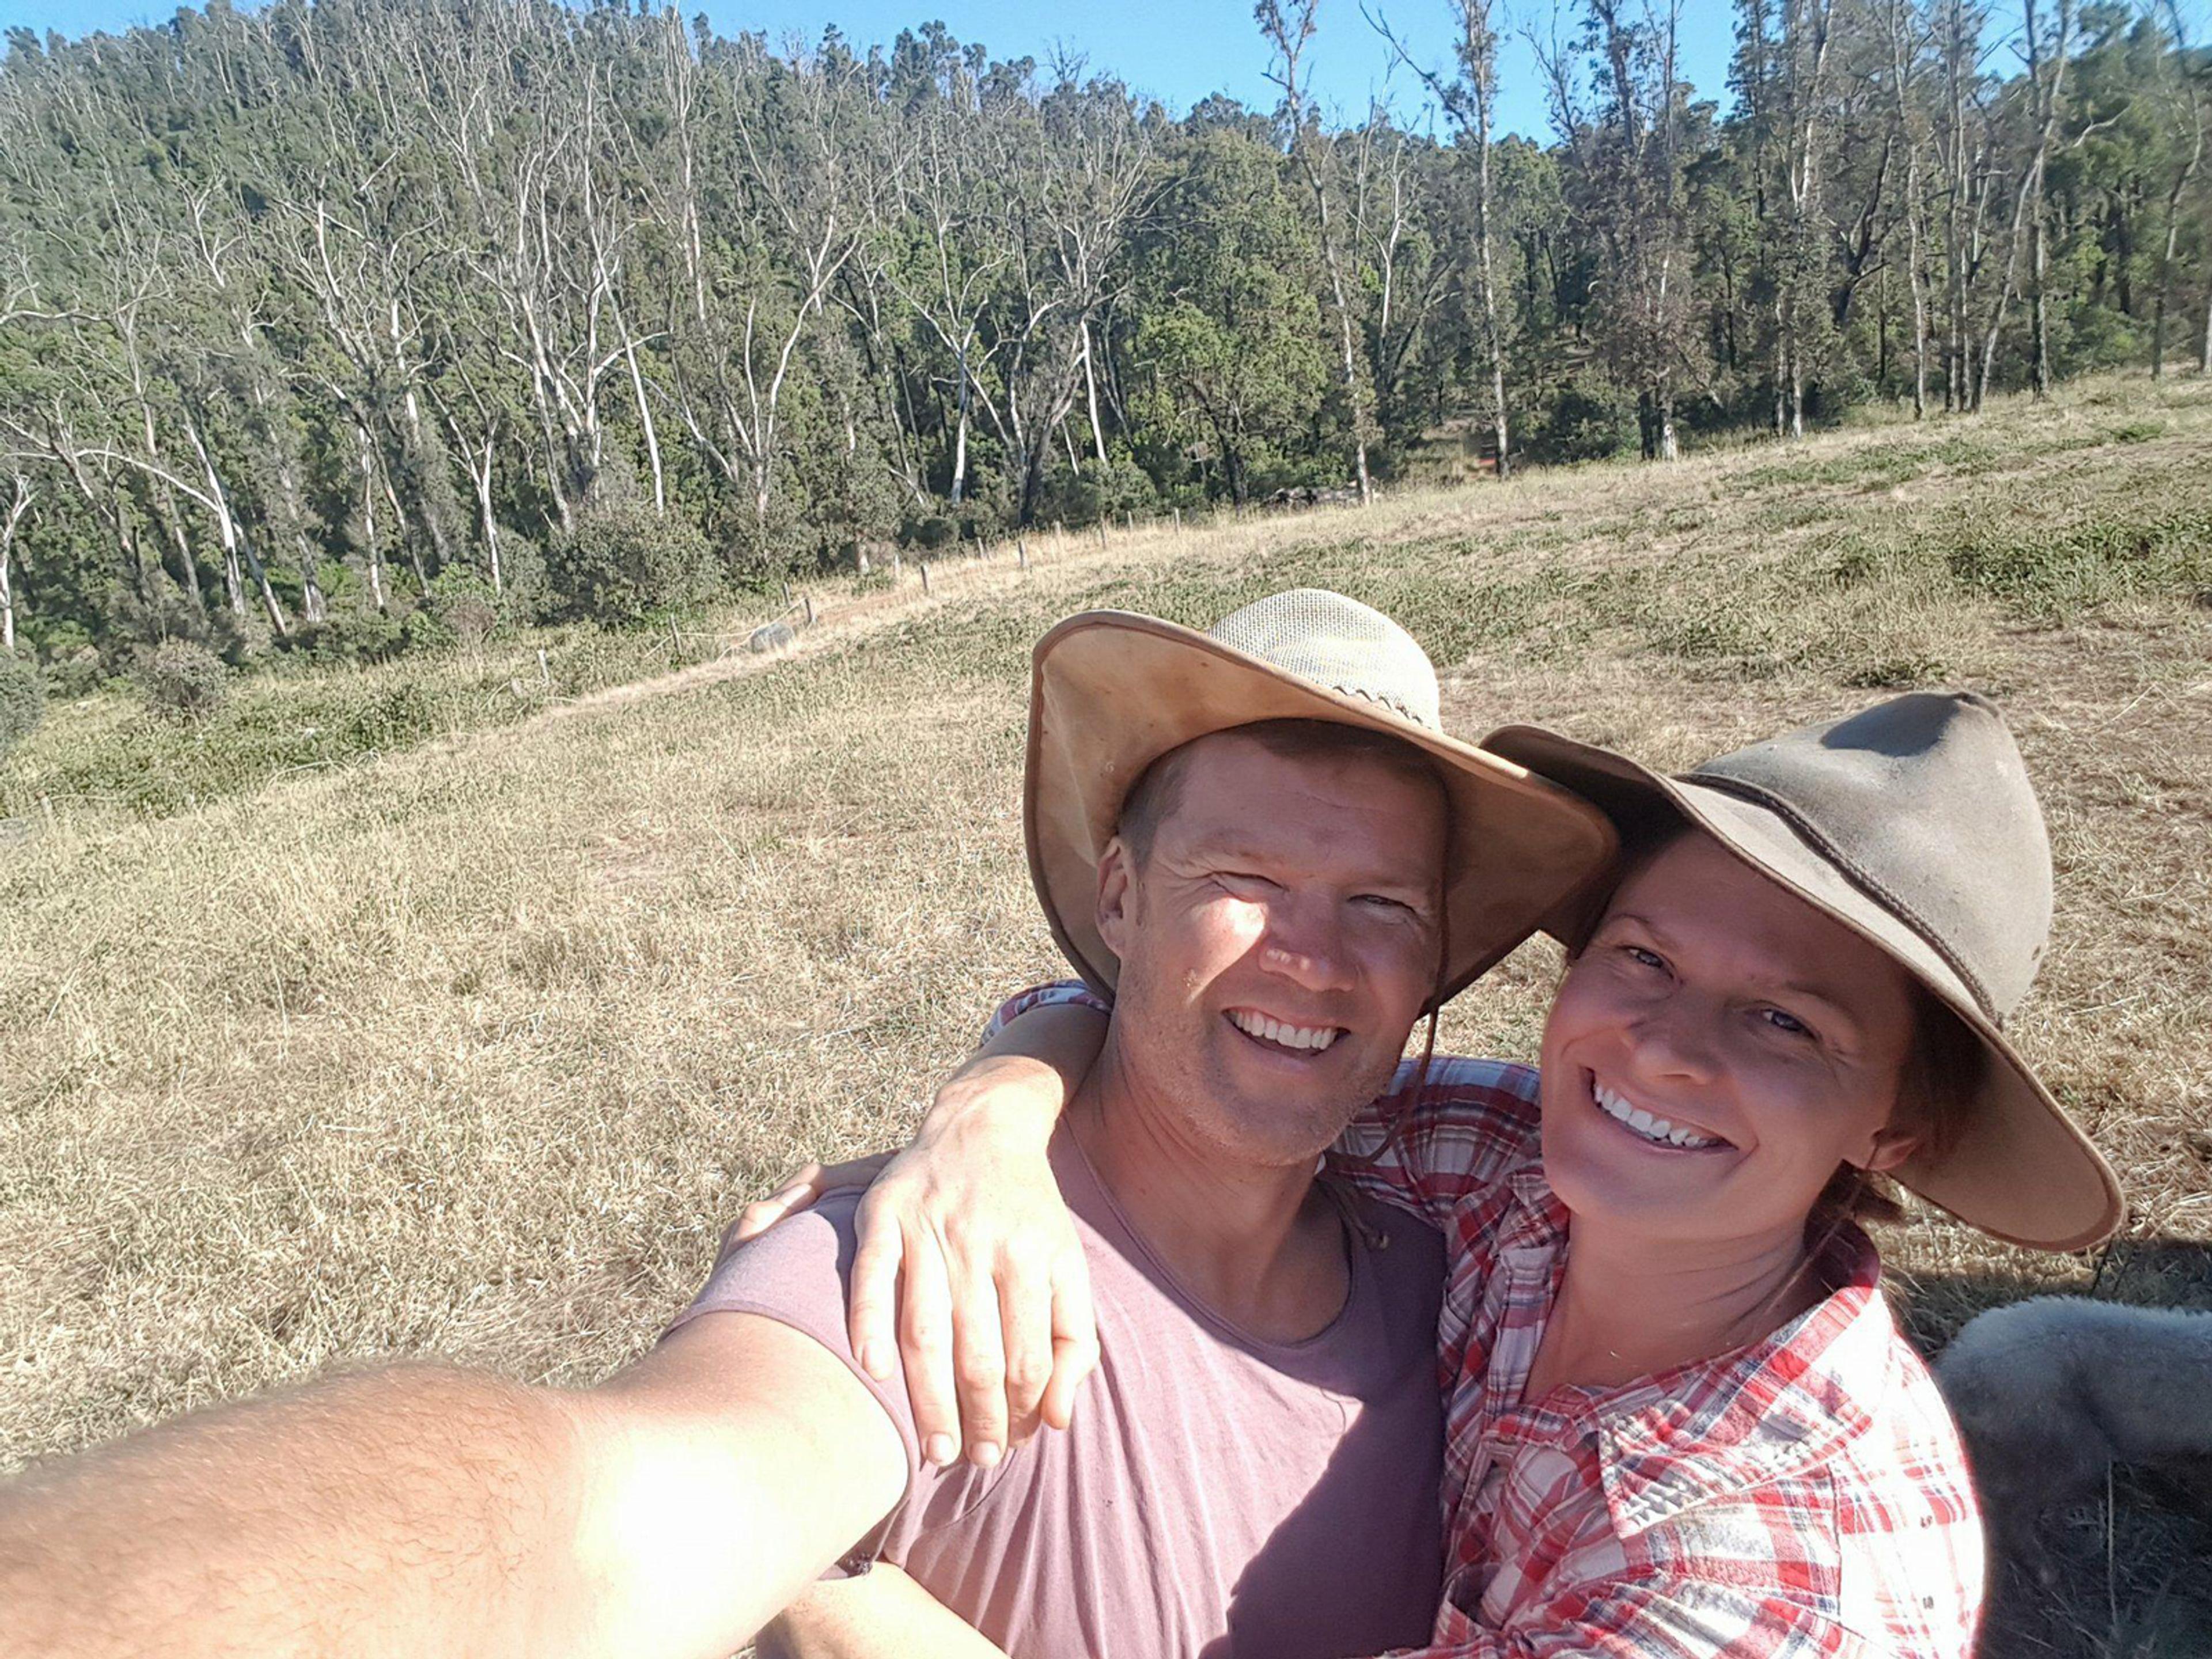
(183, 681)
(23, 700)
(1586, 422)
(461, 612)
(362, 634)
(621, 564)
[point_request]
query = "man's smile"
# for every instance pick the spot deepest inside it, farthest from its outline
(1281, 1035)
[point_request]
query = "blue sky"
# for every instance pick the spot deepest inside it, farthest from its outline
(1178, 51)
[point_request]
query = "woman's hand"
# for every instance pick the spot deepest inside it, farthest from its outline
(969, 1269)
(802, 1190)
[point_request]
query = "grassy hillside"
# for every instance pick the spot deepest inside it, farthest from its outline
(473, 1048)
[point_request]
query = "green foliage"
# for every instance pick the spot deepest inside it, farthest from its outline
(621, 564)
(183, 682)
(1073, 306)
(459, 612)
(23, 700)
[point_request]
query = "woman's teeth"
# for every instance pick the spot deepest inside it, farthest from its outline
(1314, 1037)
(1656, 1130)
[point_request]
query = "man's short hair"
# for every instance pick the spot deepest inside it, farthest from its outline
(1156, 795)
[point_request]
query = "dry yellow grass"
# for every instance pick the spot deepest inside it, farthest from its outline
(474, 1049)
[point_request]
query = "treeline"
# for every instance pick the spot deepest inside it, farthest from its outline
(322, 323)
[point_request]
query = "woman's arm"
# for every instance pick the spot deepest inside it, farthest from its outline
(881, 1613)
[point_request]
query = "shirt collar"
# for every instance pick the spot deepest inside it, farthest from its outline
(1787, 1404)
(1782, 1406)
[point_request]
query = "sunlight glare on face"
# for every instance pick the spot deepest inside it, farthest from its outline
(1276, 944)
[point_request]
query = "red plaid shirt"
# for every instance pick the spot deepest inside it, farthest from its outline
(1804, 1496)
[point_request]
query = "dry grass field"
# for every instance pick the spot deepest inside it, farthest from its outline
(472, 1050)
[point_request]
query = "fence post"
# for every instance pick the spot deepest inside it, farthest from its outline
(898, 569)
(544, 674)
(1021, 553)
(1178, 513)
(808, 600)
(922, 565)
(1101, 532)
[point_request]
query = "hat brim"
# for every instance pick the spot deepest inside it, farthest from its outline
(1112, 691)
(2021, 1170)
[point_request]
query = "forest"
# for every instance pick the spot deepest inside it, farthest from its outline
(335, 328)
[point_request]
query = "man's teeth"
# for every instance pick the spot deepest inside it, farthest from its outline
(1658, 1130)
(1316, 1038)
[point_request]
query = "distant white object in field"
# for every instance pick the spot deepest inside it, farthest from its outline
(2051, 1392)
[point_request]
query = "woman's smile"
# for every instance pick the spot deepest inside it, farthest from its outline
(1670, 1133)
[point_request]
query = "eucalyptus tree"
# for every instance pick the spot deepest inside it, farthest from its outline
(1230, 340)
(1288, 27)
(1625, 155)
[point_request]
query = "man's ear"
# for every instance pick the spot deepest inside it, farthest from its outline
(1117, 887)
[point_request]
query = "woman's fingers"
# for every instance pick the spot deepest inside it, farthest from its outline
(1025, 1325)
(925, 1326)
(796, 1191)
(871, 1299)
(1074, 1338)
(979, 1360)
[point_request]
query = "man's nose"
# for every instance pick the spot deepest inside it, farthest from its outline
(1304, 943)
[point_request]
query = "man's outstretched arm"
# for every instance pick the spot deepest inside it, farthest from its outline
(671, 1511)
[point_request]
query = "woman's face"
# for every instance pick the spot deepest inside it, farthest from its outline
(1718, 1048)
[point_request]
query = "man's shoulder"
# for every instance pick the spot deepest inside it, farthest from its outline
(796, 1273)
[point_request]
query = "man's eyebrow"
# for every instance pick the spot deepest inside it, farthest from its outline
(1231, 848)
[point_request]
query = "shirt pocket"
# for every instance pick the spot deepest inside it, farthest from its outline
(1459, 1614)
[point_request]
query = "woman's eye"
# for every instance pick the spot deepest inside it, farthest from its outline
(1643, 959)
(1783, 1021)
(1382, 902)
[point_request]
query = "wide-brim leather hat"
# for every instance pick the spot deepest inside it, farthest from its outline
(1112, 691)
(1914, 825)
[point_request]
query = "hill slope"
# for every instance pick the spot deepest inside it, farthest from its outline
(475, 1049)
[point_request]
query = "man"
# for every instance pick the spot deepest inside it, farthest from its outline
(1304, 864)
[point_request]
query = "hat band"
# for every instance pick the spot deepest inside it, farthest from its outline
(1850, 869)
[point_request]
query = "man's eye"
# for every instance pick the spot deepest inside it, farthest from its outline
(1382, 902)
(1643, 959)
(1783, 1021)
(1243, 881)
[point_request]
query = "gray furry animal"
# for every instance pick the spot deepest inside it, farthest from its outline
(2051, 1392)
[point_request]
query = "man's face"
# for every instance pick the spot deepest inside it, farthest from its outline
(1276, 945)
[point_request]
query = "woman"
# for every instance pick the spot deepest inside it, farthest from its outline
(1682, 1420)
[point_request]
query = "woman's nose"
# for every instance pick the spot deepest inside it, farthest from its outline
(1677, 1038)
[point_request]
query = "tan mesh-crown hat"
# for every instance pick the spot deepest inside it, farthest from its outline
(1913, 823)
(1112, 691)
